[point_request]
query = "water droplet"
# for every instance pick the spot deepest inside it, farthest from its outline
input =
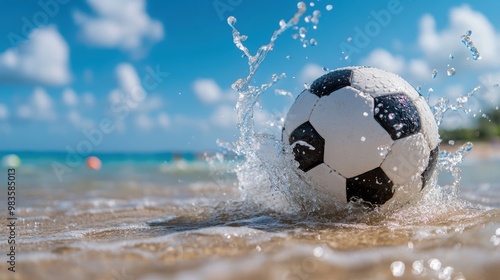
(434, 73)
(419, 89)
(395, 168)
(398, 268)
(398, 126)
(363, 139)
(231, 20)
(349, 39)
(329, 7)
(451, 71)
(311, 4)
(446, 273)
(496, 108)
(307, 19)
(466, 40)
(346, 57)
(282, 23)
(451, 56)
(318, 252)
(391, 116)
(435, 264)
(451, 142)
(417, 267)
(306, 86)
(376, 110)
(325, 69)
(257, 248)
(316, 13)
(288, 57)
(313, 42)
(366, 113)
(302, 32)
(497, 232)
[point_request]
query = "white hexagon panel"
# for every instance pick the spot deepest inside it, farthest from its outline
(353, 138)
(407, 159)
(378, 82)
(329, 181)
(429, 126)
(300, 111)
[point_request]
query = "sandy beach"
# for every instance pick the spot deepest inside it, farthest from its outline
(481, 150)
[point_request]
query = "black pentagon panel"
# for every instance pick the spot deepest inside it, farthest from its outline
(431, 166)
(331, 82)
(308, 146)
(397, 114)
(373, 186)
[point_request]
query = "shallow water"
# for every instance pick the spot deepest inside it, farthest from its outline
(125, 227)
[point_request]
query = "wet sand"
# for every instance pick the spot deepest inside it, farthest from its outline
(156, 232)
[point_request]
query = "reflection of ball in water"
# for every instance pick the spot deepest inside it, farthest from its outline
(363, 133)
(93, 163)
(11, 161)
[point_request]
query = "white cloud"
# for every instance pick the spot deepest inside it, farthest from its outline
(129, 88)
(39, 107)
(454, 91)
(207, 90)
(420, 70)
(128, 80)
(88, 99)
(76, 120)
(439, 44)
(4, 113)
(69, 97)
(490, 84)
(164, 120)
(414, 70)
(151, 103)
(224, 116)
(382, 59)
(122, 24)
(311, 72)
(144, 122)
(192, 123)
(43, 58)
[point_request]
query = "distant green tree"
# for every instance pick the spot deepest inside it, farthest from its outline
(484, 129)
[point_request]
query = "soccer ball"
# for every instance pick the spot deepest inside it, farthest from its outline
(361, 133)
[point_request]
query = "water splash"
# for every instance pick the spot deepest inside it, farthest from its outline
(434, 73)
(302, 31)
(466, 40)
(449, 161)
(444, 105)
(268, 166)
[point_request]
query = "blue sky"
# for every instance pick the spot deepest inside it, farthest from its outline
(66, 65)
